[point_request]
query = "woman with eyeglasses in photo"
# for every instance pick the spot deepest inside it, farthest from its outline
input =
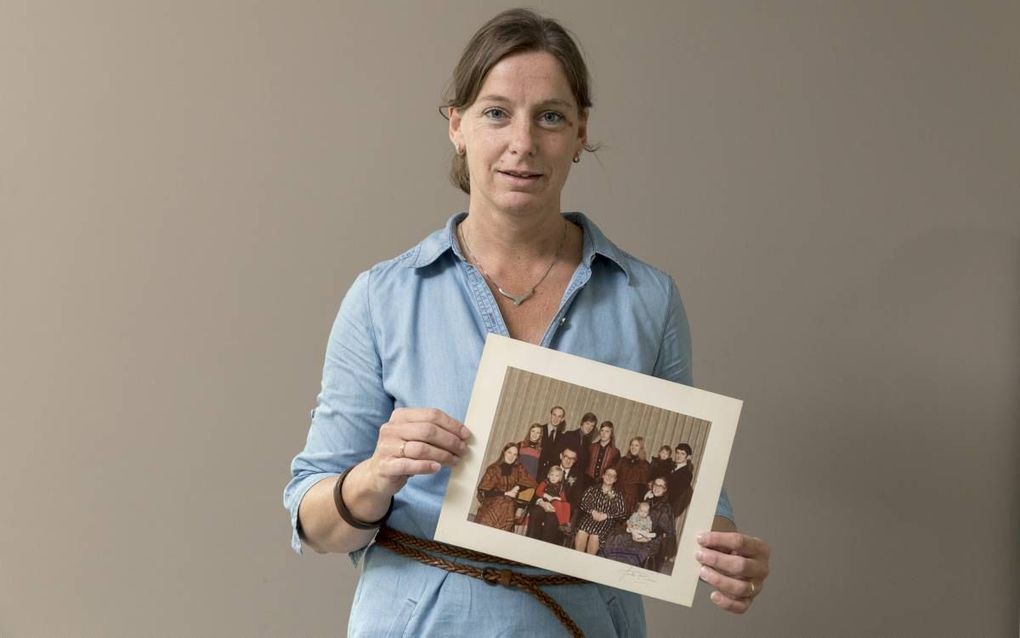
(601, 507)
(652, 553)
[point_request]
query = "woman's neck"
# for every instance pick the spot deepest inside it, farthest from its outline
(501, 238)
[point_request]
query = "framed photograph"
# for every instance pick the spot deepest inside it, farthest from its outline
(589, 470)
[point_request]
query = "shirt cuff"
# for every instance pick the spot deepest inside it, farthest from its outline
(292, 497)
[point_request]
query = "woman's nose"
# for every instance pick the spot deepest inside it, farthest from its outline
(522, 138)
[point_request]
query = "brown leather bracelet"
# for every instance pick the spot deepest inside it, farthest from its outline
(341, 507)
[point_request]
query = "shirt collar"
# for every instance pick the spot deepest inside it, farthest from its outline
(595, 243)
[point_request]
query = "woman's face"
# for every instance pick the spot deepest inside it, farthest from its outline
(635, 447)
(520, 135)
(609, 477)
(535, 433)
(658, 487)
(510, 455)
(605, 433)
(587, 427)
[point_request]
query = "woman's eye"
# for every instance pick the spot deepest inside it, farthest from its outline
(494, 113)
(552, 117)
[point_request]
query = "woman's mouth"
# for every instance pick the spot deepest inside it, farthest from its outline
(521, 177)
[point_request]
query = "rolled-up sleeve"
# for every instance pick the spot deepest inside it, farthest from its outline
(351, 405)
(674, 364)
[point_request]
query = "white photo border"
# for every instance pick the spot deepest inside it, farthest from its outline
(502, 352)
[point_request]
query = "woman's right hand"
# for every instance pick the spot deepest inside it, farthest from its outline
(415, 441)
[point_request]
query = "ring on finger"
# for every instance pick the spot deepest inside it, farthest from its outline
(401, 452)
(754, 590)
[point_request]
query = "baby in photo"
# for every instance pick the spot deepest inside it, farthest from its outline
(639, 525)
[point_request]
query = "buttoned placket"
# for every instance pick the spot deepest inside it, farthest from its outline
(488, 308)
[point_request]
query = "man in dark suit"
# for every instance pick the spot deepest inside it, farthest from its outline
(573, 477)
(580, 439)
(679, 479)
(540, 524)
(551, 433)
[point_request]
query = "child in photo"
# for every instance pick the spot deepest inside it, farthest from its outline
(550, 509)
(639, 525)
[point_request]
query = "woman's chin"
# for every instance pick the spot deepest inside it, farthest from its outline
(523, 203)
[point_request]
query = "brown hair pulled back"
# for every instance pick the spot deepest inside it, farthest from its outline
(512, 31)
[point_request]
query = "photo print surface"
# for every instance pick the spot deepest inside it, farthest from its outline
(554, 477)
(589, 471)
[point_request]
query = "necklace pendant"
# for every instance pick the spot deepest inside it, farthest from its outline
(516, 299)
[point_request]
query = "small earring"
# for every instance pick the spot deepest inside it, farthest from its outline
(460, 150)
(577, 158)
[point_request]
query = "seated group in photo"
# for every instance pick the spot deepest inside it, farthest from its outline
(576, 489)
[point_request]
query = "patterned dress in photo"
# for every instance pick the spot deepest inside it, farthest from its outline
(609, 503)
(497, 509)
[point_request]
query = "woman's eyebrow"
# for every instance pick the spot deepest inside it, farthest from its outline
(555, 101)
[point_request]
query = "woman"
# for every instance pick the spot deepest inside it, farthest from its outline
(518, 114)
(661, 464)
(602, 454)
(653, 553)
(531, 449)
(601, 508)
(498, 489)
(633, 471)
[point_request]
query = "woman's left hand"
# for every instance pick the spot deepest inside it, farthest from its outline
(736, 565)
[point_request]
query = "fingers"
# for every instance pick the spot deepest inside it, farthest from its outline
(732, 605)
(733, 565)
(427, 425)
(419, 441)
(734, 595)
(735, 588)
(735, 543)
(736, 565)
(402, 468)
(430, 415)
(413, 457)
(426, 452)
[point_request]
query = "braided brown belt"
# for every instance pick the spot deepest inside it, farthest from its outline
(416, 548)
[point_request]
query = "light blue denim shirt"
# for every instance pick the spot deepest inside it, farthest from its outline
(410, 333)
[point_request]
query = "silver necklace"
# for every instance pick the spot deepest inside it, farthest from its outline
(515, 299)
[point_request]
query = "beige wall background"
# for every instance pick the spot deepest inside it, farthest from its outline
(187, 189)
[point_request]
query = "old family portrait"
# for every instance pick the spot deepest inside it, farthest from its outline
(589, 471)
